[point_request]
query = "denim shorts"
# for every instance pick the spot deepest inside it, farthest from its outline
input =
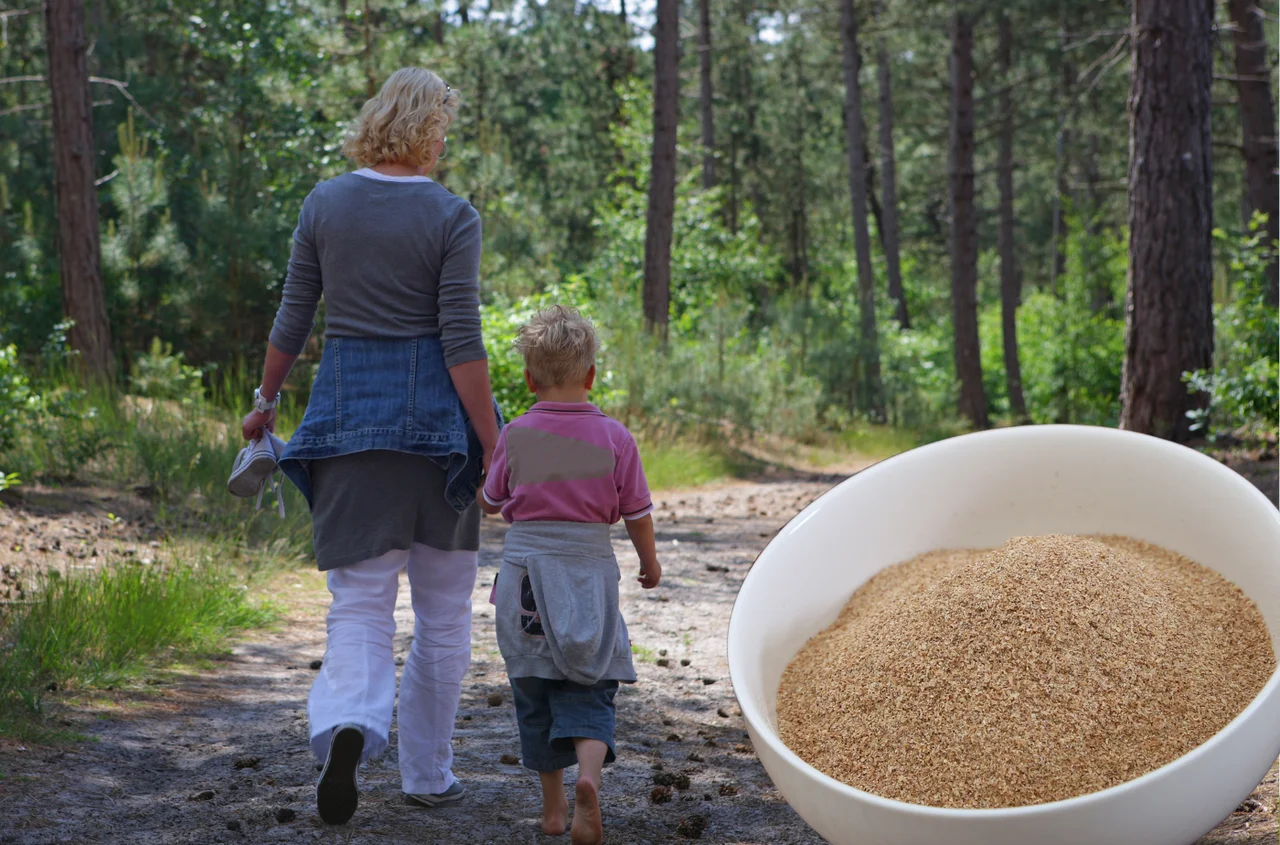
(552, 713)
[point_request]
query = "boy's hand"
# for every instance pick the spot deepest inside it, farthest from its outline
(650, 574)
(641, 533)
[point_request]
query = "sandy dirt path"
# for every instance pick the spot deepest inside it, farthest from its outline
(219, 754)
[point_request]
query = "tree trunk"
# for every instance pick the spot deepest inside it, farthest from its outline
(740, 127)
(1062, 164)
(873, 204)
(370, 79)
(964, 224)
(1010, 281)
(872, 388)
(1168, 309)
(662, 171)
(1258, 119)
(79, 258)
(708, 112)
(889, 189)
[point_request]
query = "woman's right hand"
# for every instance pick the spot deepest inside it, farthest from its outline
(255, 421)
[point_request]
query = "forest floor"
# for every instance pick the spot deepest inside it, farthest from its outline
(217, 752)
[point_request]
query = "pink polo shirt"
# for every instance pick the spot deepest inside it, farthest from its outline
(567, 462)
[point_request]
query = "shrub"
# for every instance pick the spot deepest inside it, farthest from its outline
(161, 374)
(1244, 385)
(17, 400)
(1070, 343)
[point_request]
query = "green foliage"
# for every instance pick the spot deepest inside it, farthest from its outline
(1070, 344)
(235, 111)
(719, 365)
(918, 372)
(142, 253)
(74, 431)
(59, 428)
(679, 465)
(16, 398)
(106, 627)
(1244, 385)
(161, 374)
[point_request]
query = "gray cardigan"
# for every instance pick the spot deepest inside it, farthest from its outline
(393, 258)
(556, 604)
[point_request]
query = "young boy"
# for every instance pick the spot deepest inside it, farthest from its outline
(561, 475)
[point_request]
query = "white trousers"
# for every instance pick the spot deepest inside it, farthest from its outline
(357, 682)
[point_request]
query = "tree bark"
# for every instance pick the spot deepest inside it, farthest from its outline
(889, 190)
(706, 95)
(1062, 164)
(741, 126)
(873, 204)
(662, 171)
(797, 189)
(370, 80)
(1258, 119)
(79, 256)
(872, 388)
(1010, 281)
(1168, 308)
(964, 225)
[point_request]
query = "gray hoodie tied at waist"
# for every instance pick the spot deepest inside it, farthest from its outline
(556, 604)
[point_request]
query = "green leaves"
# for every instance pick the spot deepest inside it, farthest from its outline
(1243, 388)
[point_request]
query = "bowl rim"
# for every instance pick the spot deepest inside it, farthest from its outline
(758, 723)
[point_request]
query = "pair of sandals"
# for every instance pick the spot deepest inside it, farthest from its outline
(258, 467)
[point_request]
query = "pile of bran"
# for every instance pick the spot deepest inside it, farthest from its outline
(1045, 669)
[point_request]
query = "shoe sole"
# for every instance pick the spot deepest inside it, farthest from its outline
(244, 483)
(337, 794)
(418, 801)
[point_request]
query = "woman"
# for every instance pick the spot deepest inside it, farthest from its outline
(400, 422)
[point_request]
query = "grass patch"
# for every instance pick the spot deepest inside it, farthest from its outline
(882, 441)
(643, 653)
(877, 441)
(678, 464)
(106, 628)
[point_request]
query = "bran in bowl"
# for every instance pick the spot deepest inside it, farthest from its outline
(1048, 668)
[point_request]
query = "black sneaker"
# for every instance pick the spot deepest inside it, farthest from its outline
(336, 793)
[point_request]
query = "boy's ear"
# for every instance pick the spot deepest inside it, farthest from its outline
(591, 377)
(528, 379)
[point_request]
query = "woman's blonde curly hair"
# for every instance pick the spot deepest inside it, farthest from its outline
(403, 123)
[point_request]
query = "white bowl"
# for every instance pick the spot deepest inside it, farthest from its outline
(977, 491)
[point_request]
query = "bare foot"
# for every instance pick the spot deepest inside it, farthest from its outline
(555, 820)
(587, 826)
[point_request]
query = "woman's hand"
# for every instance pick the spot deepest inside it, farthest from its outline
(255, 421)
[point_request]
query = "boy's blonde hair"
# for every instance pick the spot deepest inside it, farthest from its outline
(403, 123)
(559, 346)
